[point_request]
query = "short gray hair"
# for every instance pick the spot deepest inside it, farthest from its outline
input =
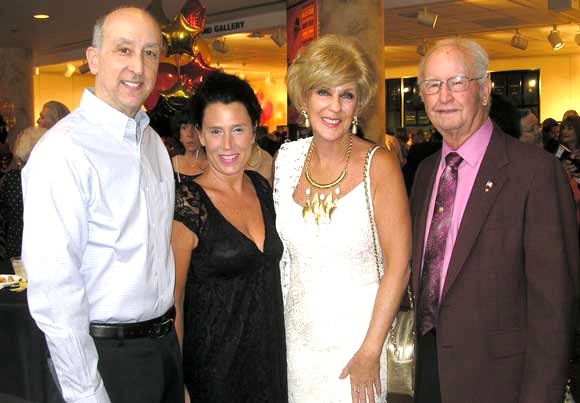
(472, 50)
(98, 32)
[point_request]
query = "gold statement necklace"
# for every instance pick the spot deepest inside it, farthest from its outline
(319, 205)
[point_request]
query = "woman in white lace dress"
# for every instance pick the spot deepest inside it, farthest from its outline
(338, 305)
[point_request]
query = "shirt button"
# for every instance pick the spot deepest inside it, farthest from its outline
(440, 210)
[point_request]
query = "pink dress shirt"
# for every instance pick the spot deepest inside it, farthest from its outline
(472, 152)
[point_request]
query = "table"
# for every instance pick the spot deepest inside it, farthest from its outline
(24, 373)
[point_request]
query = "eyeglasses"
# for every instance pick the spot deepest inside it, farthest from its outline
(454, 84)
(533, 129)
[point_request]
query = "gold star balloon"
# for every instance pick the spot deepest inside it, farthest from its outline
(181, 33)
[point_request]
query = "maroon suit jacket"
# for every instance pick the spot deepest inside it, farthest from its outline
(509, 300)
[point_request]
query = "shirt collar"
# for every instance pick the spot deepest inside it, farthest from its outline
(473, 149)
(115, 122)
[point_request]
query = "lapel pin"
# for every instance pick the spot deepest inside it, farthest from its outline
(488, 186)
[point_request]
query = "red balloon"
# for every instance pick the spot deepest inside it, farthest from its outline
(166, 77)
(151, 100)
(267, 111)
(260, 96)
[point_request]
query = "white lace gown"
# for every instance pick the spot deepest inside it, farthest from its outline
(329, 284)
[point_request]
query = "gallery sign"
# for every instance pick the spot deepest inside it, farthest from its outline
(246, 24)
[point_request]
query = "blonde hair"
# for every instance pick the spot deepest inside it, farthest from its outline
(331, 61)
(26, 141)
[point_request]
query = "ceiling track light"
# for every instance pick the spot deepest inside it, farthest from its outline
(555, 39)
(84, 68)
(427, 19)
(519, 42)
(70, 69)
(219, 45)
(279, 37)
(255, 35)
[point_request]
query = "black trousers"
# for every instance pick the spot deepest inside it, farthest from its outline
(427, 389)
(144, 370)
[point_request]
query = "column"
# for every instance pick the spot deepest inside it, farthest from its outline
(16, 87)
(364, 20)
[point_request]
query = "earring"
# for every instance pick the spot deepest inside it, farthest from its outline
(354, 125)
(306, 120)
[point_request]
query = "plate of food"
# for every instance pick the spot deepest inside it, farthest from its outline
(9, 280)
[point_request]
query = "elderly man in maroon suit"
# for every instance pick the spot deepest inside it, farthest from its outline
(495, 249)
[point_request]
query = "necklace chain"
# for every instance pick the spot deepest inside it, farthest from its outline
(318, 206)
(337, 180)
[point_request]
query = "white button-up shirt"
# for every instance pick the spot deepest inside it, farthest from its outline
(98, 208)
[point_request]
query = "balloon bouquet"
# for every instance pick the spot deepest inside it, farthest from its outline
(185, 63)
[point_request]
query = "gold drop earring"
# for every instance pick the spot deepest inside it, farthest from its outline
(354, 125)
(306, 120)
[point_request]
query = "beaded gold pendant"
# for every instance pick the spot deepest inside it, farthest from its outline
(319, 207)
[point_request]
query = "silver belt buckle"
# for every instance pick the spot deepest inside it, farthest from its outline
(158, 332)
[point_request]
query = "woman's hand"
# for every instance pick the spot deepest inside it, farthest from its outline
(187, 398)
(569, 168)
(364, 370)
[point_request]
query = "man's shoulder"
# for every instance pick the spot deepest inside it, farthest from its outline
(528, 156)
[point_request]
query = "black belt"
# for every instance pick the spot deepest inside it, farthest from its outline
(157, 327)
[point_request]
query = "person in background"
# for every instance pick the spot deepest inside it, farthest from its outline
(261, 161)
(569, 137)
(3, 131)
(339, 305)
(417, 153)
(417, 136)
(569, 112)
(393, 144)
(172, 145)
(11, 204)
(531, 132)
(98, 207)
(495, 249)
(193, 161)
(229, 319)
(51, 112)
(401, 135)
(550, 132)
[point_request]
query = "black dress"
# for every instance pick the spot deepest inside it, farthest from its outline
(180, 178)
(234, 347)
(12, 211)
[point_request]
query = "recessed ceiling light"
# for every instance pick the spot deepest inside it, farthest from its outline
(41, 16)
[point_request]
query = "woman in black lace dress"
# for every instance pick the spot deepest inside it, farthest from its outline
(227, 293)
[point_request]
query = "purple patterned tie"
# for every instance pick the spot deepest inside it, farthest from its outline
(435, 248)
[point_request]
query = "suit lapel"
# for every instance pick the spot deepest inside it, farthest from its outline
(480, 202)
(422, 194)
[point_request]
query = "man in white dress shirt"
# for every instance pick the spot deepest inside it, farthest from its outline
(98, 207)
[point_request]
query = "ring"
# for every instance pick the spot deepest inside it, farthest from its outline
(356, 388)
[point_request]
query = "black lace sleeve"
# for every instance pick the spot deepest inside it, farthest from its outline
(190, 209)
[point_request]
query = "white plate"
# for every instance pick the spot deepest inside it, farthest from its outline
(15, 280)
